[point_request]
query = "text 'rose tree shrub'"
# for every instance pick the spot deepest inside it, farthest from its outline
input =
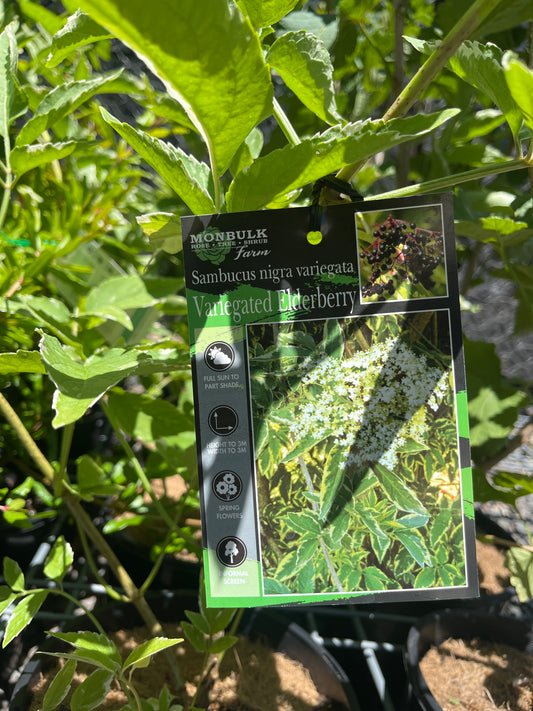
(363, 445)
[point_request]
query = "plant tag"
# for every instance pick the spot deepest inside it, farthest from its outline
(331, 412)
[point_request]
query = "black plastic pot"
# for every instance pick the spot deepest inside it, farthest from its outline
(281, 634)
(434, 629)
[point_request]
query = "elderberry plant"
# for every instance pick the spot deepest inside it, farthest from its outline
(356, 448)
(401, 259)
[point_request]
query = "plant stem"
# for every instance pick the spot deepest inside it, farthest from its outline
(470, 21)
(70, 598)
(284, 123)
(66, 443)
(90, 529)
(8, 184)
(329, 563)
(138, 469)
(439, 184)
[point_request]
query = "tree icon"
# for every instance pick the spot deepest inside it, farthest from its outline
(231, 550)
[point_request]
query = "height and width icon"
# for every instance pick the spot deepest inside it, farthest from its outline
(223, 420)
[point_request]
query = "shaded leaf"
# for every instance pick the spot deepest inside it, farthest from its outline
(182, 172)
(92, 691)
(520, 564)
(58, 560)
(60, 686)
(163, 229)
(222, 644)
(304, 64)
(13, 574)
(333, 475)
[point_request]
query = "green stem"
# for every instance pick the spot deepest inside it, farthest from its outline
(70, 598)
(325, 552)
(8, 182)
(66, 443)
(138, 469)
(450, 181)
(284, 123)
(86, 522)
(470, 21)
(113, 594)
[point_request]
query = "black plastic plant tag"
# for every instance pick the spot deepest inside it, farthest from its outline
(331, 413)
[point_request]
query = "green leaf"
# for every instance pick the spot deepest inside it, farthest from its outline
(396, 491)
(414, 543)
(39, 14)
(332, 478)
(209, 57)
(131, 291)
(80, 385)
(218, 619)
(520, 564)
(6, 598)
(375, 579)
(521, 484)
(304, 445)
(263, 13)
(222, 644)
(21, 362)
(200, 622)
(147, 418)
(522, 276)
(188, 177)
(333, 339)
(163, 229)
(91, 647)
(59, 559)
(92, 480)
(59, 687)
(292, 167)
(12, 99)
(61, 101)
(303, 522)
(23, 614)
(92, 691)
(439, 527)
(25, 158)
(141, 655)
(481, 66)
(195, 637)
(426, 578)
(13, 575)
(304, 64)
(79, 30)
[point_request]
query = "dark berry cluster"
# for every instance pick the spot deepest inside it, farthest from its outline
(401, 252)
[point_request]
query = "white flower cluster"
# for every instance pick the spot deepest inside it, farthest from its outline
(370, 403)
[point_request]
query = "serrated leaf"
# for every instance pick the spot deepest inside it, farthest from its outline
(209, 57)
(13, 574)
(60, 686)
(61, 101)
(21, 362)
(480, 65)
(163, 229)
(263, 13)
(194, 636)
(91, 647)
(375, 579)
(80, 385)
(23, 614)
(426, 578)
(141, 655)
(59, 559)
(304, 64)
(92, 691)
(79, 31)
(25, 158)
(439, 527)
(334, 469)
(303, 446)
(12, 100)
(222, 644)
(292, 167)
(188, 177)
(397, 492)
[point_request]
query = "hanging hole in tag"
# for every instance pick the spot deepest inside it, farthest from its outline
(314, 237)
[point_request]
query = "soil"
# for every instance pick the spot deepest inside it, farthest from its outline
(479, 676)
(476, 675)
(251, 677)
